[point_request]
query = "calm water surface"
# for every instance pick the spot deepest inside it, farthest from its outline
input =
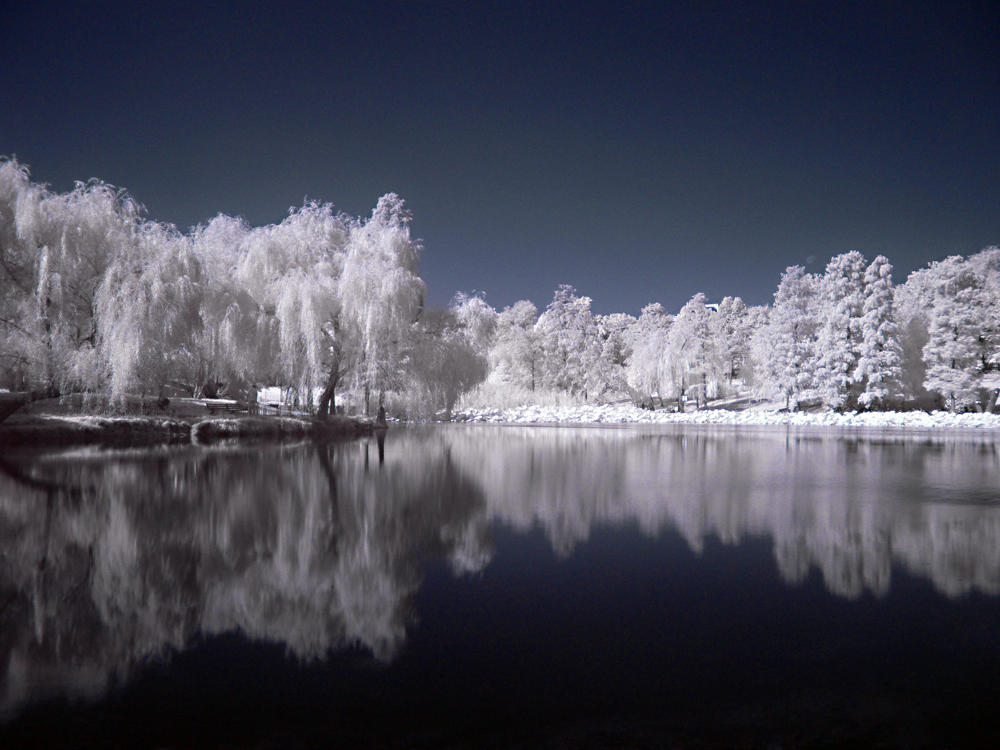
(507, 587)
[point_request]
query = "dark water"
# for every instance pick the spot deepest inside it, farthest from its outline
(506, 587)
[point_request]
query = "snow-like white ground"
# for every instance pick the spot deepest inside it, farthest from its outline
(628, 413)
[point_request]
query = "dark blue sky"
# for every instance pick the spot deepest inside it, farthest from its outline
(641, 153)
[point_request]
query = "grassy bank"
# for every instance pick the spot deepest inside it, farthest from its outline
(58, 424)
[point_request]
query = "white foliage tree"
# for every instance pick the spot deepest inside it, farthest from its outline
(570, 343)
(616, 350)
(237, 337)
(54, 251)
(879, 366)
(477, 320)
(443, 363)
(839, 341)
(912, 306)
(757, 319)
(694, 355)
(648, 340)
(986, 264)
(953, 354)
(731, 328)
(148, 308)
(381, 291)
(784, 350)
(294, 270)
(516, 356)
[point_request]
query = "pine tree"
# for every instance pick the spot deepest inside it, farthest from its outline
(953, 354)
(732, 330)
(839, 342)
(879, 368)
(613, 331)
(986, 264)
(785, 349)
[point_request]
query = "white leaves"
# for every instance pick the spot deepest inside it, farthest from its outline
(960, 348)
(648, 342)
(476, 319)
(842, 296)
(517, 352)
(879, 364)
(569, 343)
(784, 349)
(380, 290)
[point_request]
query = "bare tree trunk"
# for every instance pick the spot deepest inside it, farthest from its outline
(991, 403)
(380, 420)
(328, 401)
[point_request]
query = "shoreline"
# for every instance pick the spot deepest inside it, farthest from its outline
(42, 430)
(619, 414)
(52, 430)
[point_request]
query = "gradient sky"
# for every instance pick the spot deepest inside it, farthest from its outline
(641, 152)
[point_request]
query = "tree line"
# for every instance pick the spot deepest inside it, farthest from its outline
(95, 297)
(844, 339)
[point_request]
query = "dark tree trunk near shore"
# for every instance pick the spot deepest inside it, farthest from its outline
(328, 401)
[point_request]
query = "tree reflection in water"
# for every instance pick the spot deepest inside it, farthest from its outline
(109, 560)
(304, 545)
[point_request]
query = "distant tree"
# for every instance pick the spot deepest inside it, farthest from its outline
(570, 342)
(148, 310)
(616, 349)
(516, 355)
(54, 251)
(443, 363)
(694, 354)
(757, 319)
(381, 292)
(731, 329)
(879, 366)
(986, 264)
(953, 354)
(841, 298)
(477, 321)
(648, 339)
(785, 349)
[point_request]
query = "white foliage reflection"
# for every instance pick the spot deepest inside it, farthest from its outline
(315, 547)
(850, 506)
(106, 562)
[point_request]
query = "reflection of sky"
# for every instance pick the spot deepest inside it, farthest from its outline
(318, 550)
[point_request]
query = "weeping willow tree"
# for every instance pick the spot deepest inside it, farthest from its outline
(233, 340)
(55, 250)
(148, 310)
(382, 294)
(293, 271)
(96, 296)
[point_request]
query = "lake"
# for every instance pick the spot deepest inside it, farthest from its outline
(459, 585)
